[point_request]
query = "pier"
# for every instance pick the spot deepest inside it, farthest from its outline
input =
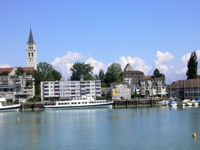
(134, 103)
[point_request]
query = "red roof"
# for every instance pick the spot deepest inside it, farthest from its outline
(11, 68)
(6, 70)
(191, 83)
(28, 68)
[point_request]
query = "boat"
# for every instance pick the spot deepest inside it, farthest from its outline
(8, 107)
(79, 102)
(163, 103)
(172, 103)
(194, 103)
(187, 102)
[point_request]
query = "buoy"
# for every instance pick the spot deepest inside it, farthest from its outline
(18, 119)
(194, 135)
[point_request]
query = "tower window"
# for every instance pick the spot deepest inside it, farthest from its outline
(29, 54)
(32, 54)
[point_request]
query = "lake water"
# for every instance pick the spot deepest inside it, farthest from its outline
(101, 129)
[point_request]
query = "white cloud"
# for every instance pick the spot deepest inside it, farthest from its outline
(63, 64)
(182, 70)
(4, 66)
(136, 62)
(162, 61)
(96, 64)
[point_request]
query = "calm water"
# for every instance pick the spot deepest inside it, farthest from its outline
(101, 129)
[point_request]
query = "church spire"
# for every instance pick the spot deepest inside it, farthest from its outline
(30, 40)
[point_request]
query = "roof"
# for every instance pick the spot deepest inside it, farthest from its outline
(30, 40)
(191, 83)
(6, 70)
(11, 68)
(147, 77)
(128, 68)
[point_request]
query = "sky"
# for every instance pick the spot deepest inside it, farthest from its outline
(147, 34)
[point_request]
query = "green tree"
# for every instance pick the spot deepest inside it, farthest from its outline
(114, 73)
(101, 75)
(81, 69)
(5, 73)
(44, 72)
(48, 72)
(19, 71)
(192, 66)
(157, 74)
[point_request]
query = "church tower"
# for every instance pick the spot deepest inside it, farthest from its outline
(31, 52)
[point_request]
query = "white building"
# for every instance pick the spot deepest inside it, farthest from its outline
(142, 85)
(121, 91)
(58, 90)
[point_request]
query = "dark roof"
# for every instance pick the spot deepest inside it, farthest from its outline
(30, 40)
(191, 83)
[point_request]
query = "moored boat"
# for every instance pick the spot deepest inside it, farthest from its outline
(172, 103)
(194, 103)
(80, 102)
(8, 107)
(163, 103)
(187, 102)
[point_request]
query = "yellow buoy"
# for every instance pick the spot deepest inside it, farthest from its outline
(194, 135)
(18, 119)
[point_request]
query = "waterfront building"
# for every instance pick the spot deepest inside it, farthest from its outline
(13, 87)
(31, 52)
(185, 89)
(62, 90)
(121, 91)
(142, 85)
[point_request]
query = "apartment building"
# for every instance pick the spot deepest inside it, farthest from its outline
(62, 90)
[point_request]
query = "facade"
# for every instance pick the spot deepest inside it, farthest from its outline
(31, 52)
(150, 86)
(185, 89)
(13, 87)
(142, 85)
(62, 90)
(121, 91)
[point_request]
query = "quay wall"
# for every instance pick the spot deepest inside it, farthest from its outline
(135, 103)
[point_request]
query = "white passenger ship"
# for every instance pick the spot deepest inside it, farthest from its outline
(8, 107)
(80, 102)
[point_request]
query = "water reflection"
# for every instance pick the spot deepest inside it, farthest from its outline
(139, 128)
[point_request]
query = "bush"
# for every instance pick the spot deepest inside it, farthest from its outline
(100, 98)
(31, 100)
(16, 101)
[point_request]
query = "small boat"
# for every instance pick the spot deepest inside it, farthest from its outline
(172, 103)
(80, 102)
(8, 107)
(195, 103)
(187, 102)
(163, 103)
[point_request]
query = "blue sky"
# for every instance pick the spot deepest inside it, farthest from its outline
(102, 30)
